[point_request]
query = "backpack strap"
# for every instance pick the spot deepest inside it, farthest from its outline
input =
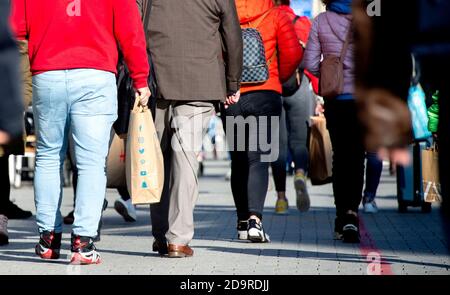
(297, 17)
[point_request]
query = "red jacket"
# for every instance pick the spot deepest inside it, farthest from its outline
(63, 35)
(302, 28)
(278, 33)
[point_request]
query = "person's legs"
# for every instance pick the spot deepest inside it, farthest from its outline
(5, 186)
(93, 111)
(189, 124)
(373, 174)
(239, 168)
(265, 106)
(51, 115)
(279, 168)
(160, 211)
(4, 199)
(239, 182)
(71, 156)
(124, 194)
(50, 105)
(298, 113)
(348, 164)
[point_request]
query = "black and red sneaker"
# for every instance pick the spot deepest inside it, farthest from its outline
(49, 245)
(84, 251)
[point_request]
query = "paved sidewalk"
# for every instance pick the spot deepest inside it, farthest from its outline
(302, 243)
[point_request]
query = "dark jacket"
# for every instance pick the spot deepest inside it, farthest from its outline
(11, 107)
(196, 48)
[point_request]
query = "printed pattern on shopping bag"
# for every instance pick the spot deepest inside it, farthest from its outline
(147, 179)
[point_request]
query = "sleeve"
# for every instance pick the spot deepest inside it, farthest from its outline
(230, 30)
(129, 32)
(313, 50)
(18, 19)
(290, 52)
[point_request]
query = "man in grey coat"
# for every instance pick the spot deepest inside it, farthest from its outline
(197, 49)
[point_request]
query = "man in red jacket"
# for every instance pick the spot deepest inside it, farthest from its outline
(73, 55)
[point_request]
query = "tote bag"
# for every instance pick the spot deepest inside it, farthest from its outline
(144, 161)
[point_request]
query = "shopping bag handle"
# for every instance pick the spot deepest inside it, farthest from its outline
(137, 106)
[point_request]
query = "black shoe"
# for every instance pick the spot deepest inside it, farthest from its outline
(12, 211)
(160, 247)
(84, 251)
(350, 230)
(338, 228)
(69, 219)
(256, 232)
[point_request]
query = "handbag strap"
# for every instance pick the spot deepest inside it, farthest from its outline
(348, 36)
(346, 43)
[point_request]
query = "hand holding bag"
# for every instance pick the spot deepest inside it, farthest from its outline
(144, 161)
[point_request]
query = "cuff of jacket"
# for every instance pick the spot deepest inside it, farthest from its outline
(233, 86)
(141, 83)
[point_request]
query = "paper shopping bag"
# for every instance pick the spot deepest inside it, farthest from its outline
(320, 152)
(144, 161)
(115, 170)
(430, 175)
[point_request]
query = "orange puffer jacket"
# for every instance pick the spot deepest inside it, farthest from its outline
(278, 33)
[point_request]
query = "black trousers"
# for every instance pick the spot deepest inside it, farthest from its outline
(348, 154)
(249, 170)
(5, 187)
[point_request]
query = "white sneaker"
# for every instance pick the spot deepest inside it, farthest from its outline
(256, 232)
(126, 209)
(370, 207)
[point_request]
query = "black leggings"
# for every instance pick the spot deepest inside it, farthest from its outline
(348, 154)
(5, 186)
(249, 170)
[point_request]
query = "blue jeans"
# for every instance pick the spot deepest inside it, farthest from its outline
(85, 102)
(373, 174)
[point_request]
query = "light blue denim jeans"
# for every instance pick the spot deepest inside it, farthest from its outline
(85, 102)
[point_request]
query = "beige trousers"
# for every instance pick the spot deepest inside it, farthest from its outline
(181, 127)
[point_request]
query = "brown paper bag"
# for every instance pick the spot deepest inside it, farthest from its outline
(320, 152)
(430, 175)
(144, 161)
(115, 167)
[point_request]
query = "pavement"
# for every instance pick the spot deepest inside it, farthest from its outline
(412, 243)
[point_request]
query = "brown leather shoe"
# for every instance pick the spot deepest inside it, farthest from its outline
(180, 251)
